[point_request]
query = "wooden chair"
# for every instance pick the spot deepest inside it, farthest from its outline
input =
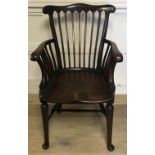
(78, 64)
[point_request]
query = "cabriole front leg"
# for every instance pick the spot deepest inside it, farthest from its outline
(109, 116)
(59, 108)
(44, 111)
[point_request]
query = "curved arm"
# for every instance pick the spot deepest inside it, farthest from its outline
(118, 57)
(114, 56)
(35, 56)
(46, 62)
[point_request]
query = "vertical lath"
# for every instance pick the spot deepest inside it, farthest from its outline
(96, 41)
(67, 38)
(73, 34)
(61, 35)
(85, 33)
(105, 55)
(79, 42)
(91, 38)
(52, 56)
(56, 42)
(102, 40)
(51, 68)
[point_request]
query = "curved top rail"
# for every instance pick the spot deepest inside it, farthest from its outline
(79, 7)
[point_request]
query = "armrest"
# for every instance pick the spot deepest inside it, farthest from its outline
(37, 53)
(41, 55)
(114, 56)
(117, 55)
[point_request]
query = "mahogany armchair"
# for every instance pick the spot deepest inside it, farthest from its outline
(78, 64)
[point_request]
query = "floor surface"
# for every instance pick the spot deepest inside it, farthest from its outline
(73, 133)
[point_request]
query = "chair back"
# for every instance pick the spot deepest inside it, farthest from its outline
(79, 31)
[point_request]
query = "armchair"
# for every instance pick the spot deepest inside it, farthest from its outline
(78, 64)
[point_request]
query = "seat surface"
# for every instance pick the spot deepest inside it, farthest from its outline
(77, 86)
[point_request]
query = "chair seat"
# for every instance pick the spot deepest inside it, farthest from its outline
(77, 86)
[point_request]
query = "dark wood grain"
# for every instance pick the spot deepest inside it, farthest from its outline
(85, 34)
(44, 110)
(56, 40)
(101, 47)
(77, 86)
(79, 7)
(109, 115)
(91, 39)
(79, 41)
(73, 34)
(88, 81)
(63, 50)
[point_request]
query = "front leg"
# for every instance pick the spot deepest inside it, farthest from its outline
(44, 110)
(59, 108)
(109, 117)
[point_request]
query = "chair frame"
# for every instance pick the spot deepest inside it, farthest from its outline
(114, 56)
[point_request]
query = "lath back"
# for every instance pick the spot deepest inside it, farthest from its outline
(79, 31)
